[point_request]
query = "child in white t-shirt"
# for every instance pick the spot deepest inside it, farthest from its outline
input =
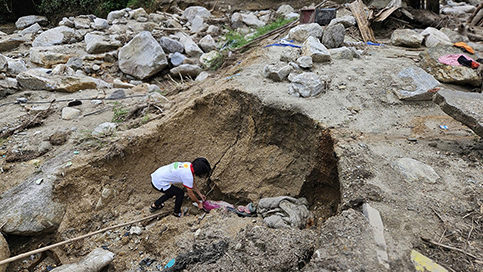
(179, 173)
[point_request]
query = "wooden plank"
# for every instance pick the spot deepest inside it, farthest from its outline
(470, 19)
(386, 12)
(357, 9)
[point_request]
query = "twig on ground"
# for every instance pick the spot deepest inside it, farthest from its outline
(452, 248)
(97, 111)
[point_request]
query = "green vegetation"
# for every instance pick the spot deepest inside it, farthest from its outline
(119, 113)
(98, 7)
(236, 40)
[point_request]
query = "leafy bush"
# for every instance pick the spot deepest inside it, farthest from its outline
(99, 8)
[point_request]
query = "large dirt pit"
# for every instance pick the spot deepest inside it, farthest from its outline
(256, 151)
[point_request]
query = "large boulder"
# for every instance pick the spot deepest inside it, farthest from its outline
(97, 43)
(190, 47)
(333, 36)
(462, 106)
(433, 37)
(312, 47)
(306, 85)
(142, 57)
(461, 75)
(26, 21)
(54, 36)
(300, 33)
(42, 79)
(29, 208)
(9, 42)
(417, 84)
(4, 252)
(190, 13)
(406, 38)
(52, 55)
(93, 262)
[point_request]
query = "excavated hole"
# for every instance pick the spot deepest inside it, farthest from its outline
(256, 150)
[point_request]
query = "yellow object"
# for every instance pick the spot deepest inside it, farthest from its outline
(423, 263)
(466, 47)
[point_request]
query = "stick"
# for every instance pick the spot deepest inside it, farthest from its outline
(25, 255)
(452, 248)
(97, 111)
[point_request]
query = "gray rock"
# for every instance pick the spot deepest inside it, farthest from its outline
(190, 47)
(69, 113)
(434, 37)
(41, 79)
(348, 228)
(115, 15)
(16, 66)
(3, 63)
(285, 9)
(305, 62)
(415, 171)
(236, 20)
(306, 85)
(458, 10)
(333, 36)
(100, 24)
(461, 75)
(49, 56)
(138, 14)
(207, 43)
(290, 54)
(142, 57)
(207, 59)
(54, 36)
(346, 21)
(186, 70)
(44, 146)
(75, 63)
(33, 29)
(252, 20)
(96, 44)
(9, 42)
(107, 195)
(464, 107)
(202, 76)
(341, 53)
(300, 33)
(26, 21)
(121, 84)
(417, 83)
(118, 94)
(276, 72)
(93, 262)
(177, 59)
(191, 12)
(67, 22)
(8, 86)
(30, 208)
(212, 29)
(4, 252)
(198, 25)
(82, 22)
(104, 130)
(313, 48)
(406, 38)
(170, 45)
(454, 36)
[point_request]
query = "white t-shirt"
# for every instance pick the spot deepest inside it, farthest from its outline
(177, 172)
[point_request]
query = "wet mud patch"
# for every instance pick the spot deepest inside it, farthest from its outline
(256, 151)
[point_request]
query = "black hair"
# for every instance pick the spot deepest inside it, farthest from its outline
(202, 167)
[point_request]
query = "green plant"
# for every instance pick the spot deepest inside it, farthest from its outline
(119, 112)
(272, 26)
(215, 63)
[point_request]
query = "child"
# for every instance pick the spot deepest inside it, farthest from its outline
(179, 173)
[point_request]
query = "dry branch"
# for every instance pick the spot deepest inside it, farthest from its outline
(31, 122)
(27, 254)
(452, 248)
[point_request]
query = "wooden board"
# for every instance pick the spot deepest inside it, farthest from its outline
(357, 9)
